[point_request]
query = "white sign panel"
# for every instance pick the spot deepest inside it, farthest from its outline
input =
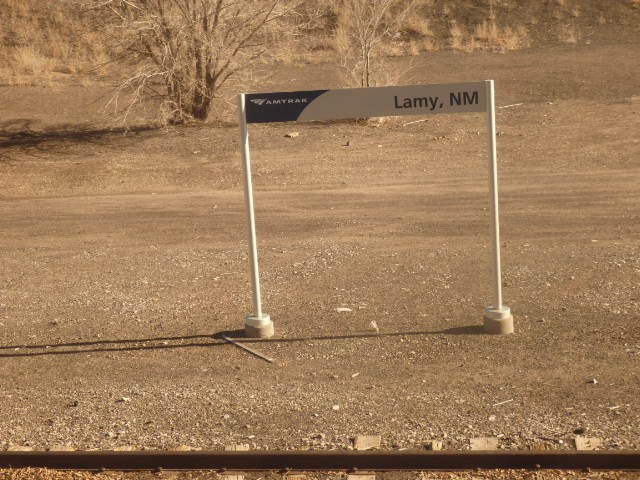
(366, 102)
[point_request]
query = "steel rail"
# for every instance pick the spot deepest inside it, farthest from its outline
(321, 460)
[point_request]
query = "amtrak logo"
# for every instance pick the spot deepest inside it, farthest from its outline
(278, 106)
(278, 101)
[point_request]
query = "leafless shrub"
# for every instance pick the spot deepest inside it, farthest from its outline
(185, 51)
(362, 26)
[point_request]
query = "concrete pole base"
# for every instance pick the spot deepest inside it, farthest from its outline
(498, 321)
(258, 326)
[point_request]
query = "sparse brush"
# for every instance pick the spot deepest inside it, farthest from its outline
(488, 35)
(418, 27)
(42, 37)
(569, 34)
(491, 36)
(460, 39)
(362, 27)
(28, 60)
(184, 52)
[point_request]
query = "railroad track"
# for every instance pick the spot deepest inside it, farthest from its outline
(349, 461)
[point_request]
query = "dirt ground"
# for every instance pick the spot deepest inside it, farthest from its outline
(123, 255)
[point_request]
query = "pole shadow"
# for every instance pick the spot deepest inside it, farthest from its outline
(198, 341)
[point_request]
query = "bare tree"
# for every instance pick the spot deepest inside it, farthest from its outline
(362, 27)
(186, 50)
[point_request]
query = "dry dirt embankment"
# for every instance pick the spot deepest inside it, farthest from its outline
(109, 294)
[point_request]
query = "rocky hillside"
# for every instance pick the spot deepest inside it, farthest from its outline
(46, 39)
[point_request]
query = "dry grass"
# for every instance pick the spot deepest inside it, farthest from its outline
(567, 9)
(569, 34)
(460, 39)
(488, 35)
(418, 27)
(42, 40)
(418, 36)
(29, 60)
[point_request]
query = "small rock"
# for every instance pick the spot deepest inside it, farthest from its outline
(232, 476)
(433, 445)
(238, 447)
(540, 445)
(587, 443)
(292, 134)
(343, 310)
(373, 325)
(348, 144)
(354, 375)
(184, 448)
(376, 121)
(123, 400)
(593, 381)
(367, 442)
(19, 448)
(61, 448)
(483, 443)
(361, 476)
(335, 408)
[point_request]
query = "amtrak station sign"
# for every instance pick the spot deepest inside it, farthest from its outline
(363, 103)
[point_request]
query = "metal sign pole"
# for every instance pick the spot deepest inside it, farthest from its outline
(257, 324)
(497, 317)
